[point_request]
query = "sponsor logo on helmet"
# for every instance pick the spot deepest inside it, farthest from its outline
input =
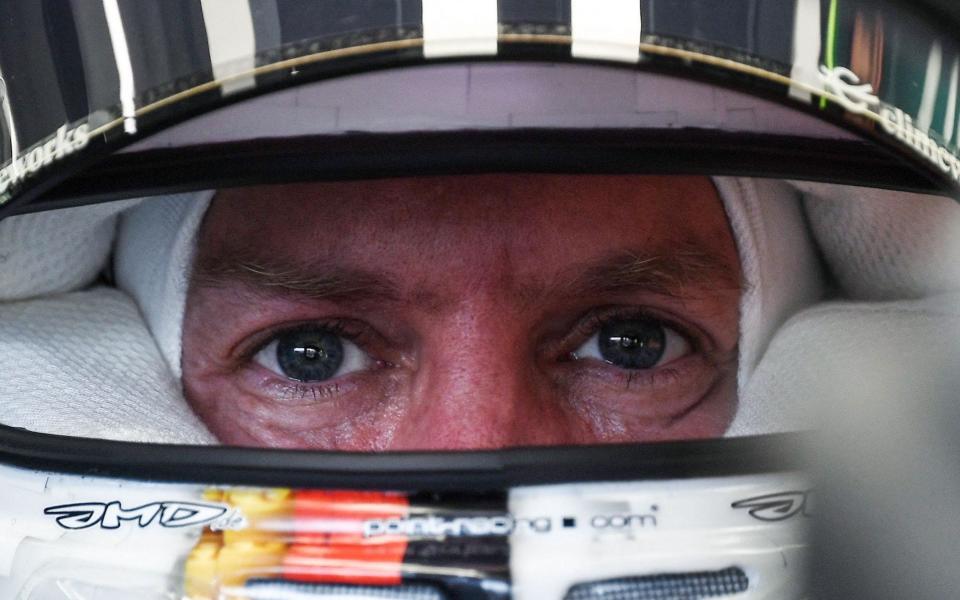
(436, 526)
(62, 144)
(853, 95)
(476, 526)
(900, 125)
(169, 514)
(777, 507)
(859, 98)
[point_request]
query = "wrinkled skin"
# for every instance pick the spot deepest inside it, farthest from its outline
(471, 303)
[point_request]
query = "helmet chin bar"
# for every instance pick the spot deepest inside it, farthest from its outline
(690, 538)
(699, 517)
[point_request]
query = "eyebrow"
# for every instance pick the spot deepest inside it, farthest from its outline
(674, 271)
(316, 282)
(677, 271)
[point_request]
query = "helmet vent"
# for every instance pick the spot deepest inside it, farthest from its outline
(276, 589)
(672, 586)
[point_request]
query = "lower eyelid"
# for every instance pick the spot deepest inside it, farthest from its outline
(272, 387)
(680, 373)
(654, 378)
(299, 392)
(661, 393)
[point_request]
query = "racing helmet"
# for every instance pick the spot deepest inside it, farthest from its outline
(826, 128)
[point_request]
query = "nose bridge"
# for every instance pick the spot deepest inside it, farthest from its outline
(476, 386)
(473, 385)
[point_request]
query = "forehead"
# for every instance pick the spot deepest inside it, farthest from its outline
(523, 222)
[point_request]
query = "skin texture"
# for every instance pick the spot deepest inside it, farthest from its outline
(472, 301)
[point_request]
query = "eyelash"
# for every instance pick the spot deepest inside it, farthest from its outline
(264, 338)
(598, 318)
(586, 327)
(353, 332)
(298, 390)
(660, 376)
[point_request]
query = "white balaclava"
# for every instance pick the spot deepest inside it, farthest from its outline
(875, 359)
(781, 275)
(85, 363)
(77, 358)
(153, 260)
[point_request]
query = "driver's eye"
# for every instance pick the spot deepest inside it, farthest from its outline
(634, 344)
(312, 353)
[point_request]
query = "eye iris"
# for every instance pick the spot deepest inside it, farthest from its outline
(632, 344)
(309, 355)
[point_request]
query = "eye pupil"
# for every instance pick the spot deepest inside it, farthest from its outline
(632, 344)
(309, 354)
